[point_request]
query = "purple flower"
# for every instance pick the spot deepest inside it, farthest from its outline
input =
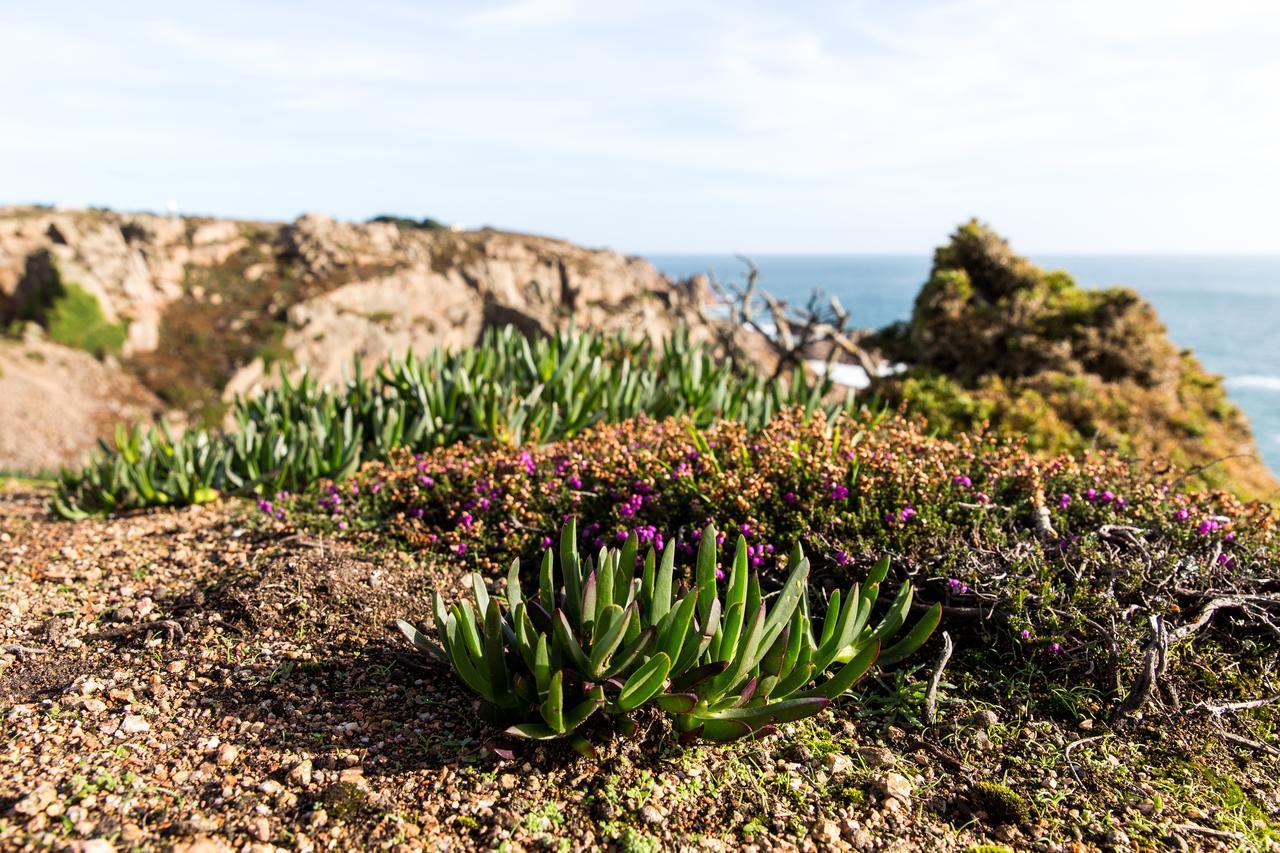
(464, 521)
(720, 574)
(546, 541)
(1064, 501)
(962, 480)
(957, 586)
(790, 498)
(1091, 495)
(745, 530)
(460, 548)
(1208, 526)
(1108, 497)
(842, 557)
(1026, 635)
(907, 513)
(1182, 514)
(1054, 648)
(838, 492)
(574, 481)
(416, 512)
(426, 481)
(526, 459)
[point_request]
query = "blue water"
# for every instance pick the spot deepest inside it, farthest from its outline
(1227, 309)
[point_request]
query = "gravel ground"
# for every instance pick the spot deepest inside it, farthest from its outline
(187, 680)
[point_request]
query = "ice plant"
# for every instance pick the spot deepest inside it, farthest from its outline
(602, 638)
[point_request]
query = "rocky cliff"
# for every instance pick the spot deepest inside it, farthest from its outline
(994, 339)
(197, 310)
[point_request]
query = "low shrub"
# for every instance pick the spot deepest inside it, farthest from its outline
(1062, 560)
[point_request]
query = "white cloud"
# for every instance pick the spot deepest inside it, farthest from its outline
(1084, 125)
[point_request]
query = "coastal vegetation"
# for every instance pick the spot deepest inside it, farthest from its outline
(579, 587)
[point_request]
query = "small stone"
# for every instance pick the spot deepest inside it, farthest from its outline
(134, 725)
(98, 845)
(319, 818)
(828, 831)
(227, 754)
(37, 801)
(877, 756)
(201, 844)
(301, 773)
(262, 829)
(271, 787)
(838, 763)
(1085, 725)
(894, 786)
(985, 719)
(651, 815)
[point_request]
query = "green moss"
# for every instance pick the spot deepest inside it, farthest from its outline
(75, 319)
(1001, 802)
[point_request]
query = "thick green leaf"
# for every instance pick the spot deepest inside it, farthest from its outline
(849, 673)
(514, 594)
(421, 642)
(552, 707)
(914, 639)
(644, 683)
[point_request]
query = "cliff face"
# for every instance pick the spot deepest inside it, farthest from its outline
(202, 309)
(995, 339)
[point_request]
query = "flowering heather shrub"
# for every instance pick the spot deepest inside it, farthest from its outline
(1055, 548)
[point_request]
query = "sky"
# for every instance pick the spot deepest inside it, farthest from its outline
(1083, 126)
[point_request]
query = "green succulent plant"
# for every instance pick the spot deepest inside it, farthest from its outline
(507, 388)
(613, 634)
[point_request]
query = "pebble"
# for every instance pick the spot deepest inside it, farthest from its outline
(37, 801)
(227, 754)
(986, 718)
(134, 725)
(877, 756)
(894, 786)
(838, 763)
(301, 773)
(651, 815)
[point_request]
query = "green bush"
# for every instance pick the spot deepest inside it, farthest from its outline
(612, 636)
(75, 319)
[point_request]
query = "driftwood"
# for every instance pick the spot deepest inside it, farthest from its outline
(791, 334)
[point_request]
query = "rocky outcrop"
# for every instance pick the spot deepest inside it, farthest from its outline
(212, 308)
(994, 339)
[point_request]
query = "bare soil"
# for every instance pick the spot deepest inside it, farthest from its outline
(192, 680)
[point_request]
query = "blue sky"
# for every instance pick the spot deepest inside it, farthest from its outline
(662, 126)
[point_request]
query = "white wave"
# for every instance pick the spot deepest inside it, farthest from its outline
(1265, 383)
(851, 375)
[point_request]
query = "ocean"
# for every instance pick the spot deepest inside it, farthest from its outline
(1226, 309)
